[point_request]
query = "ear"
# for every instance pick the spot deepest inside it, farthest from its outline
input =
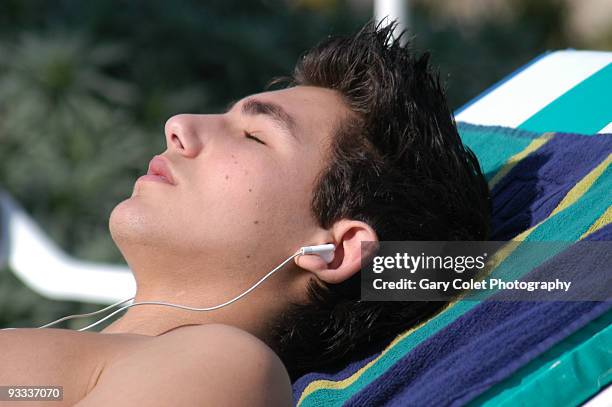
(347, 236)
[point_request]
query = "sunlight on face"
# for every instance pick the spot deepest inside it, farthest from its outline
(243, 180)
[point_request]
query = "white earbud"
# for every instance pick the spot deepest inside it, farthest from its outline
(325, 251)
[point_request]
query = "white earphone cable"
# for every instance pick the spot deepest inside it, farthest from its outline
(192, 308)
(57, 321)
(323, 250)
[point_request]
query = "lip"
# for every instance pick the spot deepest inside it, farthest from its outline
(160, 170)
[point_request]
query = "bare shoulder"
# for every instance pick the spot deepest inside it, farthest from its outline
(224, 342)
(210, 364)
(234, 355)
(215, 333)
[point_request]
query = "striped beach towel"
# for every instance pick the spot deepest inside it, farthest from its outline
(546, 186)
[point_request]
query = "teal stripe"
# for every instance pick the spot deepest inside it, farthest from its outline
(567, 374)
(333, 397)
(577, 218)
(494, 145)
(586, 108)
(589, 207)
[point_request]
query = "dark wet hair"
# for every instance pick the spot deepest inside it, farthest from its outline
(397, 164)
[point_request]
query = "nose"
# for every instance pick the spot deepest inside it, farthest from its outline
(182, 135)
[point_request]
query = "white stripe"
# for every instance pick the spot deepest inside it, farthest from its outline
(534, 88)
(607, 129)
(602, 399)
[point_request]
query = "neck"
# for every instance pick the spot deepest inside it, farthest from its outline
(200, 283)
(249, 313)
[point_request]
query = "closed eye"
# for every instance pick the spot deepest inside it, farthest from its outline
(249, 135)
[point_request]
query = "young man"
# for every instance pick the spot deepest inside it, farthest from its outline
(360, 147)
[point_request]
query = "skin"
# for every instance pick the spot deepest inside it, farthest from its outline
(238, 209)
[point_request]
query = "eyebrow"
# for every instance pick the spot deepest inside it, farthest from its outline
(275, 111)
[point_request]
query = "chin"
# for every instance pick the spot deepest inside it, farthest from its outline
(128, 222)
(134, 223)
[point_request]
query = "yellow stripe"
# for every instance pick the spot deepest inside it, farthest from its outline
(570, 198)
(516, 158)
(581, 187)
(341, 384)
(602, 221)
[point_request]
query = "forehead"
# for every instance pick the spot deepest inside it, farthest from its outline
(316, 111)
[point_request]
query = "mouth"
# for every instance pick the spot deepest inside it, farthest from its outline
(159, 170)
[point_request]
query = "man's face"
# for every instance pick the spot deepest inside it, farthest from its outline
(235, 200)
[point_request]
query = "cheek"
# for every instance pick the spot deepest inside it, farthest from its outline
(247, 193)
(246, 204)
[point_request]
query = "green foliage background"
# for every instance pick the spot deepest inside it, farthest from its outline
(86, 87)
